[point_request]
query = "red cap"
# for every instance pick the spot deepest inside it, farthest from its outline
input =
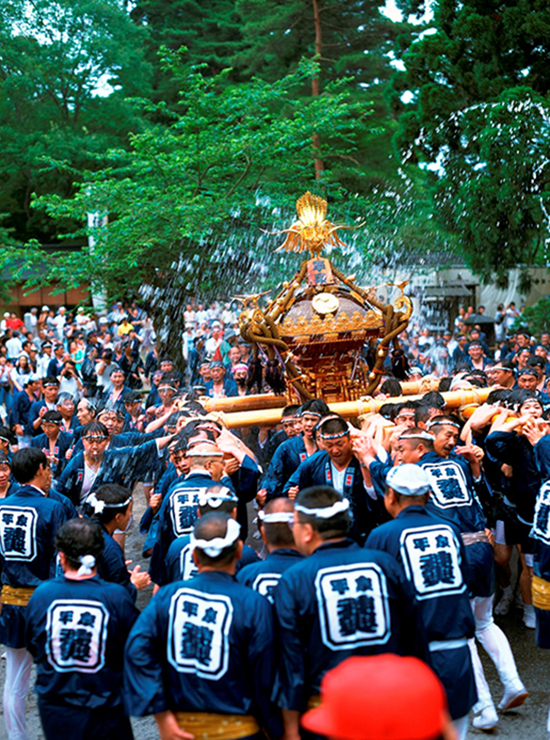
(381, 697)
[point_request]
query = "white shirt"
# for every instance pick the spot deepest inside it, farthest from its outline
(338, 477)
(42, 365)
(59, 323)
(14, 347)
(89, 478)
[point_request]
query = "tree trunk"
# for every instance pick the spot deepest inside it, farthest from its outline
(315, 86)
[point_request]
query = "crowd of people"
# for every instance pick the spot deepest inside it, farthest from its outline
(391, 534)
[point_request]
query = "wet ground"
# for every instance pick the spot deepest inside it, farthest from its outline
(527, 722)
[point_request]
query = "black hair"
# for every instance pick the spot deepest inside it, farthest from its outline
(423, 412)
(320, 497)
(54, 417)
(79, 537)
(392, 387)
(4, 459)
(94, 427)
(50, 380)
(8, 434)
(315, 406)
(335, 425)
(209, 527)
(131, 397)
(181, 445)
(113, 496)
(507, 365)
(433, 398)
(172, 420)
(278, 534)
(444, 384)
(477, 378)
(210, 436)
(191, 394)
(498, 396)
(518, 397)
(26, 463)
(169, 377)
(195, 406)
(290, 410)
(537, 360)
(410, 405)
(388, 410)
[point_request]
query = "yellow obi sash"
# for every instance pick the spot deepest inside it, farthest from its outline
(541, 593)
(314, 701)
(210, 726)
(16, 596)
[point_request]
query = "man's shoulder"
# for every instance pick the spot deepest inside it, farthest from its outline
(27, 496)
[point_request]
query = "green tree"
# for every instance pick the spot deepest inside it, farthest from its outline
(537, 317)
(209, 30)
(477, 116)
(350, 38)
(57, 61)
(187, 204)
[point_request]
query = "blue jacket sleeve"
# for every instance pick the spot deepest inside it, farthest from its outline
(273, 481)
(542, 456)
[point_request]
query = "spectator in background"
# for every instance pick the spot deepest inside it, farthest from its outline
(14, 346)
(20, 371)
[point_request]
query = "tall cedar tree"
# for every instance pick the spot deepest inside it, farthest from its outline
(350, 38)
(479, 87)
(209, 30)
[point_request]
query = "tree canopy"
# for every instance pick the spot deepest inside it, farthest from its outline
(476, 113)
(58, 62)
(192, 126)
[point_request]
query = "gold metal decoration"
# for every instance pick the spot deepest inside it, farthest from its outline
(320, 322)
(312, 231)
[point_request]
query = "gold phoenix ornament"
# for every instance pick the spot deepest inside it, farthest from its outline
(312, 231)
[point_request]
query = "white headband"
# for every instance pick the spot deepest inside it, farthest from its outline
(281, 517)
(216, 499)
(445, 423)
(329, 511)
(99, 506)
(213, 548)
(87, 567)
(213, 453)
(417, 435)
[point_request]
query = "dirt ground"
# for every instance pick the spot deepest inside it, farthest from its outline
(144, 728)
(528, 721)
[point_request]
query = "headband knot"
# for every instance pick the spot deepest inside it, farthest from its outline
(214, 548)
(87, 565)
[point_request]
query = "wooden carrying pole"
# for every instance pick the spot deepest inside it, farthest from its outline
(270, 417)
(261, 401)
(246, 403)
